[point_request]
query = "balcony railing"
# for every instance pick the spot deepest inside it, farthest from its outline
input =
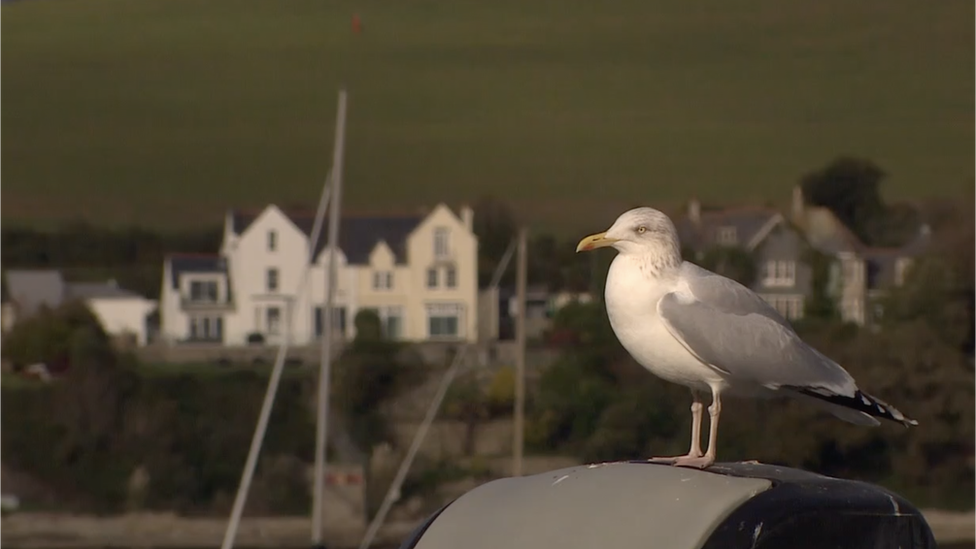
(205, 304)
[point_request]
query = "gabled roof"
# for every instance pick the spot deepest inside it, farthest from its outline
(358, 234)
(31, 289)
(194, 263)
(827, 233)
(750, 224)
(882, 263)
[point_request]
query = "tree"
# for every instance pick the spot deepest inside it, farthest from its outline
(495, 226)
(954, 241)
(850, 187)
(45, 337)
(371, 370)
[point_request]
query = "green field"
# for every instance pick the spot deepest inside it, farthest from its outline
(164, 112)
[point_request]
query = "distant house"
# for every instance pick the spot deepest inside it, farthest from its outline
(30, 290)
(123, 314)
(418, 272)
(862, 275)
(499, 308)
(783, 277)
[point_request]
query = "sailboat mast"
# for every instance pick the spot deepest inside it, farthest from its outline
(325, 368)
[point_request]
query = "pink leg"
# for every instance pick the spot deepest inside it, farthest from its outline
(702, 462)
(696, 417)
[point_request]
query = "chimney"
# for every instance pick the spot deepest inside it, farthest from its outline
(467, 217)
(798, 204)
(694, 211)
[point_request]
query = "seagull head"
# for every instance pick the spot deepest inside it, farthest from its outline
(638, 232)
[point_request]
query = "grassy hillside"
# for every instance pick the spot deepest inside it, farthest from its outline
(164, 112)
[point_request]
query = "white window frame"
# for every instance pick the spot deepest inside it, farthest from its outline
(393, 311)
(445, 310)
(382, 280)
(442, 243)
(272, 328)
(268, 279)
(432, 278)
(727, 235)
(779, 273)
(450, 277)
(205, 282)
(339, 315)
(205, 328)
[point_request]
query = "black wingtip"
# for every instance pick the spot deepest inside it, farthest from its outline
(862, 402)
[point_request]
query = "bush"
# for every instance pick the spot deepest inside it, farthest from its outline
(86, 434)
(501, 392)
(371, 371)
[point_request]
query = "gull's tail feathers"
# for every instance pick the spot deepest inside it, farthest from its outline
(859, 409)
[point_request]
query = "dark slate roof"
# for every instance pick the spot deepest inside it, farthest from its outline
(31, 289)
(747, 222)
(195, 263)
(358, 234)
(881, 263)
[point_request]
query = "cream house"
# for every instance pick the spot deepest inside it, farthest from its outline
(418, 272)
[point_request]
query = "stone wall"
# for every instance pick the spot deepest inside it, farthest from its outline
(446, 439)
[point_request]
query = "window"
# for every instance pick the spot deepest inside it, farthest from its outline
(338, 320)
(273, 320)
(382, 280)
(272, 240)
(393, 322)
(207, 328)
(727, 236)
(272, 280)
(793, 308)
(203, 290)
(779, 273)
(442, 245)
(790, 306)
(443, 321)
(450, 277)
(431, 278)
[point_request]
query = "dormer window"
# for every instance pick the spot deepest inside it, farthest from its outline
(442, 244)
(382, 280)
(203, 291)
(272, 240)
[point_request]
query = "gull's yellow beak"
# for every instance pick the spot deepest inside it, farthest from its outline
(594, 241)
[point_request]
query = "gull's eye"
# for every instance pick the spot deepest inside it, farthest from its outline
(641, 230)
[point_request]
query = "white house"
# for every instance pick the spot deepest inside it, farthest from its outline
(122, 313)
(419, 272)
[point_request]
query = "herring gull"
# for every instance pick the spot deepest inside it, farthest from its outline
(711, 334)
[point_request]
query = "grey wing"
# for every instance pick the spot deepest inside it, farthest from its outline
(733, 330)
